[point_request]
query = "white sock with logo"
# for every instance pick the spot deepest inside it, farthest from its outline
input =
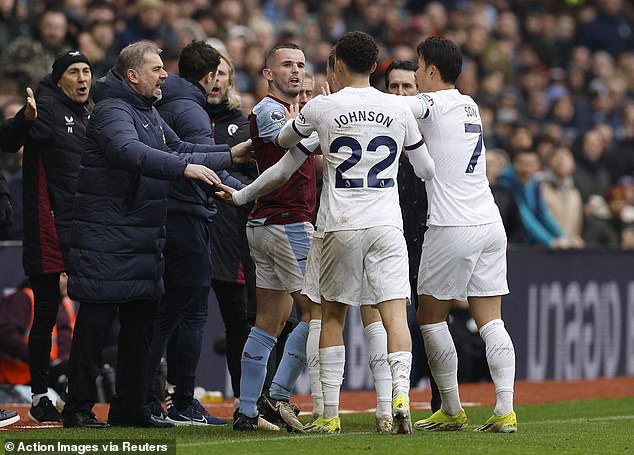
(332, 362)
(312, 359)
(443, 363)
(501, 359)
(380, 367)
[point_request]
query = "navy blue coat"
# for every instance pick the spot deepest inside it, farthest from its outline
(118, 228)
(182, 109)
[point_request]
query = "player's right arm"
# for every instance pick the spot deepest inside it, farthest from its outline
(278, 174)
(299, 128)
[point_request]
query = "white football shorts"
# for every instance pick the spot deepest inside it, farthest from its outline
(378, 251)
(463, 261)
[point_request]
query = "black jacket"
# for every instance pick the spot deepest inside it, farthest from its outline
(118, 228)
(182, 109)
(231, 259)
(52, 150)
(413, 201)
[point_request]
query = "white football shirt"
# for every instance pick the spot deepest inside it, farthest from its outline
(362, 132)
(459, 194)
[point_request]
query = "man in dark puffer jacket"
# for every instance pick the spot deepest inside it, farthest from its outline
(187, 250)
(118, 231)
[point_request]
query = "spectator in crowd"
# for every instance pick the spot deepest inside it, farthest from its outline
(12, 22)
(147, 24)
(233, 272)
(539, 226)
(183, 307)
(620, 162)
(620, 200)
(52, 132)
(610, 29)
(16, 319)
(121, 199)
(496, 161)
(562, 196)
(98, 38)
(592, 178)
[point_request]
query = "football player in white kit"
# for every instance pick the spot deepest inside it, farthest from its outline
(362, 132)
(372, 325)
(464, 251)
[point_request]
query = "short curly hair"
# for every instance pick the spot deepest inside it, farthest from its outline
(358, 51)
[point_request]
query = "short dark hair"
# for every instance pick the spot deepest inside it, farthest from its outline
(274, 49)
(197, 59)
(358, 51)
(406, 65)
(331, 58)
(444, 54)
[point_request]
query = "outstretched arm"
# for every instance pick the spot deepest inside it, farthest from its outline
(271, 179)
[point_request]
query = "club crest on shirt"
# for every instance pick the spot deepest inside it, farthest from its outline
(277, 116)
(232, 129)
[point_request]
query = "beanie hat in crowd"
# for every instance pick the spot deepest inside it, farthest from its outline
(64, 60)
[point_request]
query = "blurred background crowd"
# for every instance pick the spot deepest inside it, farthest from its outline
(554, 81)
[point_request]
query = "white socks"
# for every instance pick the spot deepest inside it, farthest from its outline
(400, 367)
(501, 359)
(312, 361)
(332, 362)
(380, 367)
(443, 363)
(36, 397)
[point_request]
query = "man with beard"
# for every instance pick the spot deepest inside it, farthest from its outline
(278, 232)
(118, 231)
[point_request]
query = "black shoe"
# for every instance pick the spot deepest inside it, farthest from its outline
(143, 420)
(8, 417)
(242, 422)
(44, 412)
(83, 419)
(278, 411)
(156, 409)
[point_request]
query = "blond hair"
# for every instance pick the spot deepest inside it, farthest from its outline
(233, 97)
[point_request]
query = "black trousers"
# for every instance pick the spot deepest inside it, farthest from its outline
(183, 308)
(46, 297)
(91, 327)
(232, 301)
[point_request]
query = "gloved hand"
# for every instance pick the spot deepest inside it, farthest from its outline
(6, 211)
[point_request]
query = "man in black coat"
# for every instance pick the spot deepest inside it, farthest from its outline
(118, 231)
(52, 132)
(187, 249)
(233, 272)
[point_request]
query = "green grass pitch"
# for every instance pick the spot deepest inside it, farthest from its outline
(592, 426)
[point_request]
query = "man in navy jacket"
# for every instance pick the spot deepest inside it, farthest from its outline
(187, 252)
(118, 231)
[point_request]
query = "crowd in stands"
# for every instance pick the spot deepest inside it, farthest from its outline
(554, 82)
(554, 78)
